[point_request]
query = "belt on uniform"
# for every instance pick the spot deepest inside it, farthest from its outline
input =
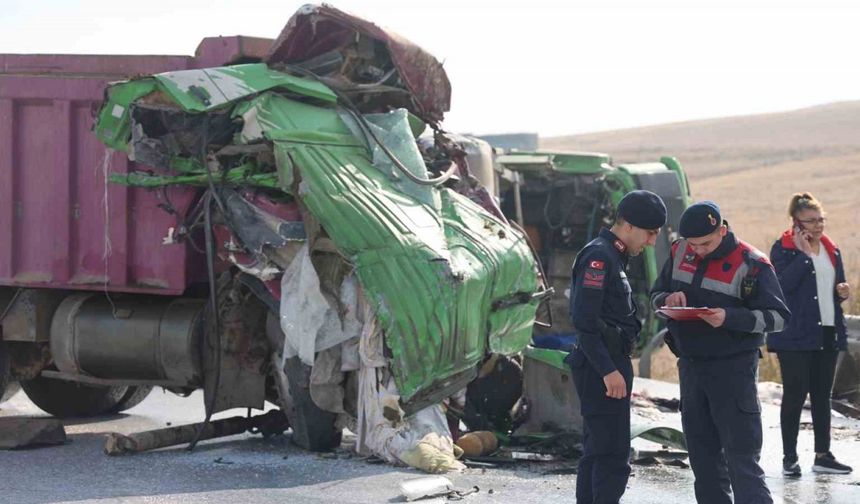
(709, 358)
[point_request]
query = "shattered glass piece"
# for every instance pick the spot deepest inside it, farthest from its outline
(394, 131)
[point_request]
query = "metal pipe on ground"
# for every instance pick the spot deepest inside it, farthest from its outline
(271, 423)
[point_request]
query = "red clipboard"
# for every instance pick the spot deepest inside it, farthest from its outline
(683, 312)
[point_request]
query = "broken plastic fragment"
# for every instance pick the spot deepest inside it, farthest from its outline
(430, 486)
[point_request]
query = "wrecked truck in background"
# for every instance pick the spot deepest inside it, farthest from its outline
(561, 200)
(267, 230)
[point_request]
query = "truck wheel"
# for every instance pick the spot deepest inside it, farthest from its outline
(63, 398)
(313, 427)
(132, 397)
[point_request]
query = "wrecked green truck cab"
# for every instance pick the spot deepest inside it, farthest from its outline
(449, 281)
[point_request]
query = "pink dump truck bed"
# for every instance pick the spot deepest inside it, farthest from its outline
(61, 225)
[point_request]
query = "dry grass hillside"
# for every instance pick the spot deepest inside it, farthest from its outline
(751, 165)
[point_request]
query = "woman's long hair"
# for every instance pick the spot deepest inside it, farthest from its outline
(803, 201)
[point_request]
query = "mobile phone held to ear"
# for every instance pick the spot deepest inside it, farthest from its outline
(798, 229)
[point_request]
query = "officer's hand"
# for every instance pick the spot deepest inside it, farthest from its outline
(716, 317)
(676, 299)
(844, 290)
(616, 387)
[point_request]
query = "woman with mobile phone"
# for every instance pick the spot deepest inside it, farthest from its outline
(810, 271)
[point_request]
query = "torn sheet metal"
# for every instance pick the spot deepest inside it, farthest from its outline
(246, 176)
(210, 88)
(258, 229)
(660, 434)
(271, 116)
(197, 91)
(321, 30)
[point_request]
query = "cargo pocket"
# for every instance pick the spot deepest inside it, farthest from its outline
(744, 427)
(749, 404)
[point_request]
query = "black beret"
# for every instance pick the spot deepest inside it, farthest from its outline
(642, 209)
(700, 219)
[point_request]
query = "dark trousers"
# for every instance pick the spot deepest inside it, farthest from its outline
(721, 415)
(605, 464)
(807, 373)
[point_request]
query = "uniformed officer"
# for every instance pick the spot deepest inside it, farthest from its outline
(718, 355)
(604, 316)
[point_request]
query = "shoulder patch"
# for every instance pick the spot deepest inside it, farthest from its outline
(595, 264)
(593, 278)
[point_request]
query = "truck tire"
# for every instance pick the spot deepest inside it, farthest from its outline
(63, 398)
(132, 397)
(313, 428)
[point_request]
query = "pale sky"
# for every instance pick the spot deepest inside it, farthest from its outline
(550, 67)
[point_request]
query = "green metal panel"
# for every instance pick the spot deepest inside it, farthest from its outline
(245, 175)
(675, 166)
(113, 125)
(432, 277)
(554, 358)
(642, 168)
(210, 88)
(562, 162)
(433, 264)
(197, 91)
(582, 162)
(525, 162)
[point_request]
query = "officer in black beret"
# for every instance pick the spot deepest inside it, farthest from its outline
(604, 316)
(718, 354)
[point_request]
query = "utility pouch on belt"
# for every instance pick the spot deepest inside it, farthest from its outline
(613, 339)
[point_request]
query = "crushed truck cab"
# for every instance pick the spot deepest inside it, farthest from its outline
(562, 199)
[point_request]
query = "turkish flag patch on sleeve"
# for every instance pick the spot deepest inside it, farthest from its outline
(594, 278)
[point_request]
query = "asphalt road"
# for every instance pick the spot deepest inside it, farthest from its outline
(250, 469)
